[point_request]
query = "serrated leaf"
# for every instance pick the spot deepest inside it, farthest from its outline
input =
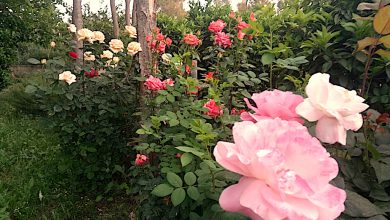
(178, 196)
(193, 193)
(186, 159)
(190, 178)
(174, 179)
(162, 190)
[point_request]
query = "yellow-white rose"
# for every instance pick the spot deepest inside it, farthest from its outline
(99, 36)
(72, 28)
(132, 31)
(67, 76)
(52, 44)
(115, 59)
(107, 54)
(88, 56)
(85, 35)
(116, 45)
(133, 48)
(166, 57)
(43, 61)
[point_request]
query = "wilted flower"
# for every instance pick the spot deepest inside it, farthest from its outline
(72, 28)
(141, 159)
(286, 172)
(273, 104)
(52, 44)
(191, 40)
(116, 45)
(85, 35)
(99, 36)
(223, 40)
(214, 110)
(335, 108)
(217, 26)
(67, 76)
(107, 54)
(88, 56)
(133, 48)
(132, 31)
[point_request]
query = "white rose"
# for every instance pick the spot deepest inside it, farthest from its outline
(107, 54)
(52, 44)
(133, 48)
(116, 45)
(132, 31)
(43, 61)
(166, 57)
(99, 36)
(85, 35)
(67, 76)
(88, 56)
(72, 28)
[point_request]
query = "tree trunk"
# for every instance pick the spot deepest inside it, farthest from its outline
(127, 13)
(114, 19)
(77, 20)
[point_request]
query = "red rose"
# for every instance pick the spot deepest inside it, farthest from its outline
(73, 54)
(92, 73)
(213, 109)
(191, 40)
(209, 76)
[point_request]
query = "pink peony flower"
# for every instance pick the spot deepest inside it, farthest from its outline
(242, 25)
(154, 84)
(141, 159)
(223, 40)
(335, 108)
(217, 26)
(273, 104)
(286, 173)
(214, 110)
(191, 40)
(240, 35)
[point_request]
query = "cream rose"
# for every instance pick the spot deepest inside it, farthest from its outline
(132, 31)
(116, 45)
(99, 36)
(107, 54)
(72, 28)
(115, 59)
(166, 57)
(133, 48)
(53, 44)
(67, 76)
(43, 61)
(88, 56)
(85, 35)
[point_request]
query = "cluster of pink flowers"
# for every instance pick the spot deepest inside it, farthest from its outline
(141, 159)
(191, 40)
(217, 26)
(155, 84)
(220, 38)
(92, 73)
(214, 110)
(285, 171)
(158, 41)
(242, 25)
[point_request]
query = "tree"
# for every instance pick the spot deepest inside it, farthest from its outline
(127, 12)
(77, 20)
(172, 8)
(114, 19)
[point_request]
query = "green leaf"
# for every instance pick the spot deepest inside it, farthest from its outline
(267, 58)
(160, 99)
(193, 193)
(57, 108)
(69, 96)
(186, 159)
(357, 206)
(173, 122)
(178, 196)
(190, 178)
(381, 171)
(190, 150)
(170, 98)
(162, 190)
(33, 61)
(30, 89)
(174, 179)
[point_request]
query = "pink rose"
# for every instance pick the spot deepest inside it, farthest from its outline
(286, 173)
(214, 110)
(242, 25)
(335, 108)
(154, 84)
(240, 35)
(273, 104)
(191, 40)
(252, 17)
(168, 82)
(141, 159)
(161, 48)
(168, 41)
(217, 26)
(223, 40)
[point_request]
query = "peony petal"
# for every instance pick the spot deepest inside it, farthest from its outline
(226, 155)
(308, 111)
(330, 202)
(329, 130)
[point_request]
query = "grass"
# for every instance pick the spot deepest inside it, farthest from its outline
(31, 184)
